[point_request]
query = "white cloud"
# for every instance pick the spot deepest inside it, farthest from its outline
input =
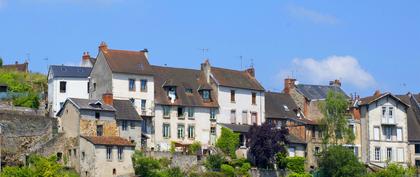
(312, 15)
(345, 68)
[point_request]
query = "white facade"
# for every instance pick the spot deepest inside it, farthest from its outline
(385, 129)
(242, 106)
(200, 121)
(75, 88)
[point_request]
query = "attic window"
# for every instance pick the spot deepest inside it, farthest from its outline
(189, 90)
(172, 94)
(205, 95)
(286, 108)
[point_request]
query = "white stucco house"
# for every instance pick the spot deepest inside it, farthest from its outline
(384, 129)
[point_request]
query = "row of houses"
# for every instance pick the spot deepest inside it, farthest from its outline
(117, 102)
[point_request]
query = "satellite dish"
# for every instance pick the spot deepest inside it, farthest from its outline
(296, 82)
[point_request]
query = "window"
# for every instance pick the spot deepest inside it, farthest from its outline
(124, 125)
(120, 153)
(292, 152)
(143, 105)
(254, 118)
(206, 95)
(61, 104)
(213, 130)
(383, 112)
(94, 86)
(109, 153)
(99, 130)
(63, 86)
(166, 130)
(313, 132)
(254, 98)
(166, 111)
(191, 132)
(377, 153)
(189, 90)
(75, 152)
(351, 127)
(376, 133)
(190, 112)
(391, 114)
(417, 148)
(83, 155)
(316, 150)
(389, 154)
(212, 113)
(399, 134)
(97, 115)
(172, 94)
(233, 116)
(131, 85)
(244, 117)
(388, 133)
(180, 112)
(400, 154)
(417, 163)
(88, 83)
(132, 124)
(181, 129)
(69, 152)
(143, 85)
(232, 96)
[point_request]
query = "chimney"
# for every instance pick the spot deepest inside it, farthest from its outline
(146, 53)
(85, 56)
(251, 71)
(206, 68)
(103, 46)
(335, 83)
(108, 99)
(289, 84)
(377, 93)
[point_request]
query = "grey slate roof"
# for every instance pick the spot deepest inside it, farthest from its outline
(70, 71)
(279, 105)
(237, 127)
(413, 117)
(318, 92)
(86, 104)
(125, 110)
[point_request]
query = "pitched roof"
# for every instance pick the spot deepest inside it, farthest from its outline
(108, 140)
(370, 99)
(413, 117)
(70, 71)
(128, 62)
(237, 127)
(294, 139)
(235, 79)
(18, 67)
(125, 110)
(182, 79)
(318, 92)
(279, 105)
(87, 104)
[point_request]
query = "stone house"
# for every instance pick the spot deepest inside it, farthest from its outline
(128, 76)
(66, 82)
(186, 108)
(21, 67)
(94, 130)
(384, 129)
(308, 98)
(240, 97)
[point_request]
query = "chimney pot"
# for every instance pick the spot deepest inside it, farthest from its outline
(108, 99)
(377, 93)
(103, 46)
(251, 71)
(86, 56)
(335, 83)
(289, 84)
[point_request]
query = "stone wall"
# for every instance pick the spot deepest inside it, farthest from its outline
(183, 161)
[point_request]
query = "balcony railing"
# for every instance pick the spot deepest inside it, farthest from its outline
(388, 121)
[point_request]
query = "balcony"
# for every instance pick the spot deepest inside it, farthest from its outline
(388, 121)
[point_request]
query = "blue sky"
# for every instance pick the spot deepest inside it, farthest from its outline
(369, 45)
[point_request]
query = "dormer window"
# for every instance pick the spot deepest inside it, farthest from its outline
(172, 93)
(189, 90)
(206, 95)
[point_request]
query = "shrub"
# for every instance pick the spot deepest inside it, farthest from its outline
(213, 174)
(338, 161)
(296, 164)
(300, 175)
(394, 170)
(228, 170)
(194, 148)
(171, 172)
(31, 101)
(145, 166)
(228, 142)
(281, 160)
(172, 148)
(214, 162)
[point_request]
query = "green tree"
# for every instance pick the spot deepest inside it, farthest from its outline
(228, 142)
(194, 148)
(171, 172)
(228, 170)
(334, 123)
(296, 164)
(394, 170)
(1, 61)
(214, 162)
(281, 160)
(145, 166)
(339, 161)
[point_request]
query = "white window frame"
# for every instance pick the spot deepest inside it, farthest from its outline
(376, 133)
(399, 135)
(377, 154)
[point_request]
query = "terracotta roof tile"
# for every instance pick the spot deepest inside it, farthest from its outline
(108, 140)
(129, 62)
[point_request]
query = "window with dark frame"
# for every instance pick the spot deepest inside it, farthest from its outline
(143, 85)
(63, 86)
(166, 111)
(417, 148)
(180, 112)
(232, 96)
(254, 98)
(143, 105)
(88, 84)
(124, 125)
(206, 95)
(120, 153)
(132, 124)
(131, 85)
(97, 115)
(109, 153)
(99, 130)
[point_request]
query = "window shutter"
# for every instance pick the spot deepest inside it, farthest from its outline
(399, 134)
(376, 133)
(400, 155)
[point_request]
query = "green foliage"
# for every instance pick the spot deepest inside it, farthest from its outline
(228, 170)
(172, 148)
(164, 162)
(39, 167)
(31, 100)
(243, 170)
(339, 161)
(145, 166)
(334, 123)
(214, 162)
(171, 172)
(213, 174)
(300, 175)
(281, 160)
(228, 142)
(394, 170)
(296, 164)
(194, 148)
(1, 62)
